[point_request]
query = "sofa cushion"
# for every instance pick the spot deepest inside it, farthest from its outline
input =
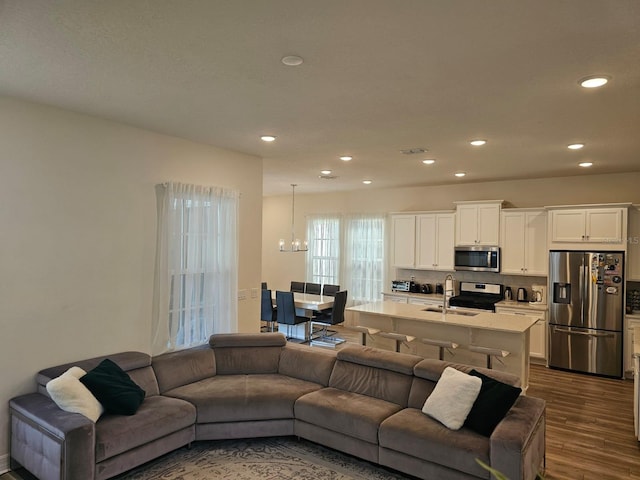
(113, 388)
(313, 365)
(245, 353)
(235, 398)
(185, 366)
(413, 433)
(157, 417)
(72, 396)
(453, 397)
(493, 402)
(345, 412)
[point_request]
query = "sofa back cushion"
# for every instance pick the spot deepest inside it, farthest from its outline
(247, 353)
(375, 373)
(428, 372)
(136, 364)
(180, 368)
(312, 365)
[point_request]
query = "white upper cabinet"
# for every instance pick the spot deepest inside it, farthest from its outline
(403, 241)
(434, 241)
(423, 241)
(633, 246)
(523, 241)
(597, 226)
(478, 223)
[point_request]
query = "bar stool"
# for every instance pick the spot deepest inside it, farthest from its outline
(364, 332)
(490, 353)
(400, 338)
(441, 344)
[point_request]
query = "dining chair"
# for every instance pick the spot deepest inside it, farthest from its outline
(334, 317)
(264, 285)
(297, 287)
(330, 290)
(267, 312)
(314, 288)
(286, 308)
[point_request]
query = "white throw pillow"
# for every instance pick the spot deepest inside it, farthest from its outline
(72, 396)
(452, 399)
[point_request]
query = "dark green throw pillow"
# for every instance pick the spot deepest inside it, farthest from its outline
(113, 388)
(493, 402)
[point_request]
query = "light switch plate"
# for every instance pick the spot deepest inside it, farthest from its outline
(242, 294)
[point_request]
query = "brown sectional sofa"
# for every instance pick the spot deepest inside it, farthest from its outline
(359, 400)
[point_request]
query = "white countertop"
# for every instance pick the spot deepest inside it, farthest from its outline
(541, 307)
(484, 321)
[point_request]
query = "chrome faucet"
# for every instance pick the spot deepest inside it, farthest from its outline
(447, 293)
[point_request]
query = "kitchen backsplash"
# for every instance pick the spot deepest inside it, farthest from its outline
(433, 277)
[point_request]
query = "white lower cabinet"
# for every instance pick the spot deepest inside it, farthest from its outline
(629, 323)
(537, 334)
(395, 298)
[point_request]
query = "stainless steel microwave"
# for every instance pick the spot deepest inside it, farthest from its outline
(477, 258)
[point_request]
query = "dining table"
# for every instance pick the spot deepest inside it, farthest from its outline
(307, 304)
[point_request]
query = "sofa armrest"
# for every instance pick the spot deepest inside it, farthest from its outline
(517, 445)
(49, 442)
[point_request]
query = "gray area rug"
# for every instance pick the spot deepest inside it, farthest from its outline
(263, 458)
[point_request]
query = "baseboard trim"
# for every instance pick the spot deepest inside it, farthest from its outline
(4, 464)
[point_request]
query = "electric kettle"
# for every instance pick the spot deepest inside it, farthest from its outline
(522, 294)
(508, 295)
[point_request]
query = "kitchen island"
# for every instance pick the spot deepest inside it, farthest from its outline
(509, 333)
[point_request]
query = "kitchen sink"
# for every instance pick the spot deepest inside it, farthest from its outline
(449, 312)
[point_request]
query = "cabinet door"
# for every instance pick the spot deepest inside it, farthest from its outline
(536, 251)
(568, 225)
(394, 298)
(604, 225)
(538, 340)
(426, 240)
(513, 242)
(488, 224)
(403, 240)
(446, 226)
(633, 247)
(466, 225)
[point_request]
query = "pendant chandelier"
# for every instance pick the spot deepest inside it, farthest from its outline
(296, 246)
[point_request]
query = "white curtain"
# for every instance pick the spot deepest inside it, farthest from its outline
(196, 276)
(364, 254)
(323, 257)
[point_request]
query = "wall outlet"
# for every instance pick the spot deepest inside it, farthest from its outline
(242, 294)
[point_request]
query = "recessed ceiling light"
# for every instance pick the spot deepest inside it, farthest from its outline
(267, 138)
(478, 142)
(346, 158)
(429, 161)
(292, 60)
(460, 174)
(594, 81)
(325, 172)
(585, 164)
(367, 182)
(575, 146)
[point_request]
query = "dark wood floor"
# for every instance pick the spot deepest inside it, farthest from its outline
(590, 431)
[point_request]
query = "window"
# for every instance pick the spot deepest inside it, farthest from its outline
(364, 253)
(354, 260)
(323, 258)
(195, 287)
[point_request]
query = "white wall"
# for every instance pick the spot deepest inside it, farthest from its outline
(278, 269)
(77, 235)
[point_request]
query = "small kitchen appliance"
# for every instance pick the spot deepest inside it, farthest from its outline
(400, 285)
(477, 258)
(425, 288)
(538, 294)
(508, 294)
(522, 294)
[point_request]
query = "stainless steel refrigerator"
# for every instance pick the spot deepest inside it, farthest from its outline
(586, 293)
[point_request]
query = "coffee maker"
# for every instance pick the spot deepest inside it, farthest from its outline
(539, 294)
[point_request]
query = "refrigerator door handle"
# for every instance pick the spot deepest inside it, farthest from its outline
(587, 334)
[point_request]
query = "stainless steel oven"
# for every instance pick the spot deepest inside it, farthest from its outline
(477, 258)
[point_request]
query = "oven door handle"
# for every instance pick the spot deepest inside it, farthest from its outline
(585, 334)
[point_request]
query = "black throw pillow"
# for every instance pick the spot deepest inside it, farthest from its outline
(113, 388)
(493, 402)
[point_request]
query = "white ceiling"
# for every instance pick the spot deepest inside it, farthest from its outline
(379, 76)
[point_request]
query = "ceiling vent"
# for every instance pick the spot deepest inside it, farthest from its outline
(414, 151)
(327, 177)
